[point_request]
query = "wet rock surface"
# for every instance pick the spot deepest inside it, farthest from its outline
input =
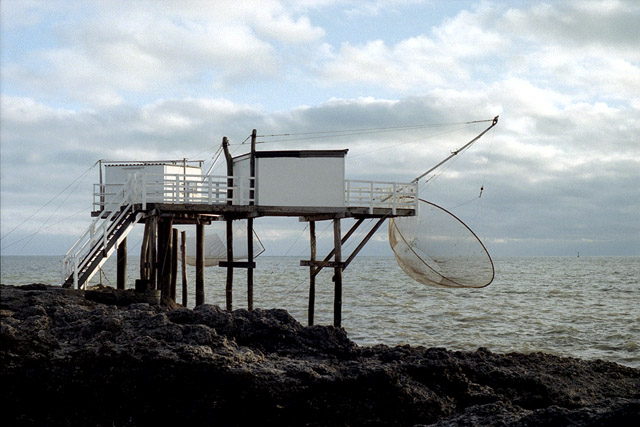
(68, 359)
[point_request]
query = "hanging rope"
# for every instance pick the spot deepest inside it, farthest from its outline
(103, 274)
(484, 178)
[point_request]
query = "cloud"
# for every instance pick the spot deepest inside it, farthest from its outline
(421, 63)
(405, 66)
(111, 52)
(589, 50)
(376, 7)
(588, 47)
(578, 24)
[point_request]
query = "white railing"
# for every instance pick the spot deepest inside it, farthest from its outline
(380, 194)
(214, 190)
(181, 188)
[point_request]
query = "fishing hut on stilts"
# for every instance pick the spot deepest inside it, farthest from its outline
(431, 245)
(308, 184)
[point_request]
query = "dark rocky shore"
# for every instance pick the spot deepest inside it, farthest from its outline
(102, 358)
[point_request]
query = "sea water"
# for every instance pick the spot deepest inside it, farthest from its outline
(587, 307)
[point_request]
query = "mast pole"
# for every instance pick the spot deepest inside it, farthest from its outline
(252, 174)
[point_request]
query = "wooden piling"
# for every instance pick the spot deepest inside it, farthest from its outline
(145, 263)
(337, 302)
(252, 174)
(153, 256)
(165, 252)
(229, 287)
(121, 276)
(229, 160)
(250, 262)
(199, 264)
(174, 262)
(183, 265)
(312, 275)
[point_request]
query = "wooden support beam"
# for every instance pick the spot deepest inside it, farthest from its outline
(153, 258)
(174, 263)
(145, 262)
(165, 251)
(322, 264)
(321, 216)
(237, 264)
(312, 276)
(252, 167)
(250, 263)
(252, 194)
(229, 287)
(337, 302)
(121, 276)
(144, 245)
(183, 265)
(199, 264)
(229, 159)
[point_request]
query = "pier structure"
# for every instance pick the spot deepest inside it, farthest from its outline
(308, 184)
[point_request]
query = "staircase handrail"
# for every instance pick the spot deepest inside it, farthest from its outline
(115, 209)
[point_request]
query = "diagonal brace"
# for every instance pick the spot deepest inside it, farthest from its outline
(342, 242)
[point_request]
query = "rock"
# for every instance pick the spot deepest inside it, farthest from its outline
(68, 358)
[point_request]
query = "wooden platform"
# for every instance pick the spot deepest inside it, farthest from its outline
(189, 213)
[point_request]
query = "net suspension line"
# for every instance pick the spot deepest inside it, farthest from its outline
(364, 131)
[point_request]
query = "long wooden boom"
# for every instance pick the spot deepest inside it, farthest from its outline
(454, 153)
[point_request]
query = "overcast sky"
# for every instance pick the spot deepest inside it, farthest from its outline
(88, 80)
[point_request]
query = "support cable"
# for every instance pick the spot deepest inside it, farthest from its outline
(363, 131)
(77, 180)
(297, 239)
(408, 142)
(47, 227)
(53, 212)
